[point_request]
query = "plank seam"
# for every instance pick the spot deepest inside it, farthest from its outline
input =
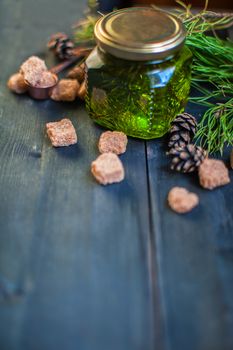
(158, 317)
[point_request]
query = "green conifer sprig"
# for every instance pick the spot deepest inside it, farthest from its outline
(212, 65)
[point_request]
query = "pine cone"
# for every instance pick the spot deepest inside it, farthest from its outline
(187, 159)
(61, 45)
(54, 39)
(182, 130)
(64, 48)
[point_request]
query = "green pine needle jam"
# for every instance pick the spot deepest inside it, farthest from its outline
(139, 98)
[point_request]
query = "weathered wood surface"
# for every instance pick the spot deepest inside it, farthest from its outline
(89, 267)
(194, 253)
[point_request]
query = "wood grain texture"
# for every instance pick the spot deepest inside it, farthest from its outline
(88, 267)
(74, 255)
(194, 256)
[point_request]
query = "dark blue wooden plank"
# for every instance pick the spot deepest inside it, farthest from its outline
(79, 253)
(77, 267)
(89, 257)
(194, 254)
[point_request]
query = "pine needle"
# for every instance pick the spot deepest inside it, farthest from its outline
(212, 69)
(212, 65)
(216, 127)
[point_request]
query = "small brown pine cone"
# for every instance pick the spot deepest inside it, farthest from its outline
(187, 159)
(178, 139)
(54, 39)
(64, 48)
(182, 130)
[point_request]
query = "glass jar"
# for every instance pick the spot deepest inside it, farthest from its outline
(138, 76)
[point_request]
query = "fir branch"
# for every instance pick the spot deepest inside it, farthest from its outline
(212, 64)
(84, 29)
(212, 58)
(216, 127)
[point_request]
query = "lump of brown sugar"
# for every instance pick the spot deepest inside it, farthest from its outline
(107, 169)
(61, 133)
(65, 90)
(46, 79)
(113, 141)
(77, 73)
(17, 84)
(213, 173)
(81, 93)
(32, 69)
(33, 63)
(182, 201)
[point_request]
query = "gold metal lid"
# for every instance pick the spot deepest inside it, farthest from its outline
(140, 33)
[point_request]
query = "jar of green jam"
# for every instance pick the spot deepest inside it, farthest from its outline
(138, 76)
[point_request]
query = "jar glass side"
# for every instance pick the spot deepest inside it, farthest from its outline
(138, 98)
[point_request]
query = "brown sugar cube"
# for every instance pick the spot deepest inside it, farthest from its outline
(182, 201)
(77, 73)
(46, 79)
(107, 169)
(113, 141)
(32, 69)
(213, 173)
(33, 63)
(65, 90)
(81, 93)
(17, 84)
(61, 133)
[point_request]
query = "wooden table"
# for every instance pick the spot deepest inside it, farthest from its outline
(87, 267)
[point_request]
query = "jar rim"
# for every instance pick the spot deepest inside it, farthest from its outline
(140, 33)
